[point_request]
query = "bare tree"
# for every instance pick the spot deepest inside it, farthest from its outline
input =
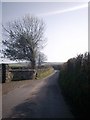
(25, 37)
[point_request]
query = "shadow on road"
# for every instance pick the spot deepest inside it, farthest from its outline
(45, 101)
(24, 110)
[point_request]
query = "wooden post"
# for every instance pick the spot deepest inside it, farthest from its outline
(3, 73)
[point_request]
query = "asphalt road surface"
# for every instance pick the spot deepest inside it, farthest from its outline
(41, 99)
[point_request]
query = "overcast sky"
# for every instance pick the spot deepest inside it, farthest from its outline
(66, 25)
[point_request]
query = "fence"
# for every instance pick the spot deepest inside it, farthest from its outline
(16, 74)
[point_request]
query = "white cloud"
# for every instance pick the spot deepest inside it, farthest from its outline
(64, 10)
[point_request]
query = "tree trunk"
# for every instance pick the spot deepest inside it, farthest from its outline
(33, 65)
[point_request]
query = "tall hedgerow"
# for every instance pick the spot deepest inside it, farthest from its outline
(75, 85)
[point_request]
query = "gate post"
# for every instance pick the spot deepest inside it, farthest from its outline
(3, 73)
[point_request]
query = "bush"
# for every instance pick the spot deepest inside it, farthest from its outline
(75, 85)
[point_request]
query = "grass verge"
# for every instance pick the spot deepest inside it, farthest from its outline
(42, 73)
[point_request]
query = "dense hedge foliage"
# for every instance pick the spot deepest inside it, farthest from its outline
(74, 82)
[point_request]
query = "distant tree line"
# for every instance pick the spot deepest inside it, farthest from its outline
(56, 67)
(75, 85)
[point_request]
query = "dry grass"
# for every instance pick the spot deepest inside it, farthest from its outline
(44, 73)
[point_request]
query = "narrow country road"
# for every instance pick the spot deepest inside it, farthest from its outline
(43, 99)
